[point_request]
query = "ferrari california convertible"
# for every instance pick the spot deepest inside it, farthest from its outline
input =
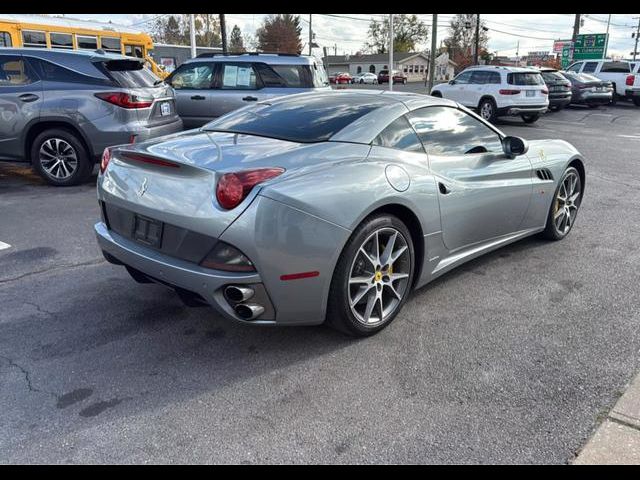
(328, 207)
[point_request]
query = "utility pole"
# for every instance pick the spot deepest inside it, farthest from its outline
(192, 33)
(635, 49)
(223, 32)
(606, 40)
(576, 31)
(335, 49)
(475, 54)
(391, 52)
(310, 35)
(432, 60)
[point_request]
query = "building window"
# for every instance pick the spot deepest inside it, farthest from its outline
(359, 70)
(421, 68)
(405, 69)
(32, 38)
(372, 69)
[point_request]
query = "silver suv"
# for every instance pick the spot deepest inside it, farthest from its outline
(60, 109)
(213, 84)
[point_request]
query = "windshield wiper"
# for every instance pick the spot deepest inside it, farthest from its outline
(158, 82)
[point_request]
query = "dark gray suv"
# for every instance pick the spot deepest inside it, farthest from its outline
(60, 109)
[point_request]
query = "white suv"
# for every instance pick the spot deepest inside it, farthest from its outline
(498, 91)
(622, 74)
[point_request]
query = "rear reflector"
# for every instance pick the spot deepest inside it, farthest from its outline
(125, 100)
(509, 92)
(630, 80)
(139, 157)
(297, 276)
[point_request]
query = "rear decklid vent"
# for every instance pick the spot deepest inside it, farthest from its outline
(544, 174)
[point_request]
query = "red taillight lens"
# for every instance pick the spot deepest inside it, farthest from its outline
(106, 156)
(232, 188)
(545, 91)
(139, 157)
(509, 92)
(125, 100)
(630, 80)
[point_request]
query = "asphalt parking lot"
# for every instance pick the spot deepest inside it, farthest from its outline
(513, 358)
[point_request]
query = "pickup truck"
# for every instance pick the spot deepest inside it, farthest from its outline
(626, 84)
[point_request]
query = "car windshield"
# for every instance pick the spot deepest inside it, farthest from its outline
(301, 119)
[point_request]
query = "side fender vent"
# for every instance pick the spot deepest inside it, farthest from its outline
(544, 174)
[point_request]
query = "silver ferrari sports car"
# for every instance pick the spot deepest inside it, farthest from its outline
(328, 206)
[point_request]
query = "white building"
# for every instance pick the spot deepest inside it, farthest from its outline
(415, 65)
(445, 68)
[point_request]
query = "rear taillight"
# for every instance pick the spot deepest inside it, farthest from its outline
(630, 80)
(545, 91)
(234, 187)
(125, 100)
(506, 91)
(140, 157)
(106, 156)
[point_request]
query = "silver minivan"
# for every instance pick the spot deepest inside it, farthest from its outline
(60, 109)
(211, 85)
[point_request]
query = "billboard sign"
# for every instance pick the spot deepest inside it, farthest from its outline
(558, 45)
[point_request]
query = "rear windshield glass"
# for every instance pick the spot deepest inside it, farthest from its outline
(553, 77)
(131, 74)
(301, 119)
(523, 78)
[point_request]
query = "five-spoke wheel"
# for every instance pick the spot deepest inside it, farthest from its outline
(564, 207)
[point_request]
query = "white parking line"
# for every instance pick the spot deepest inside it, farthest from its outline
(4, 246)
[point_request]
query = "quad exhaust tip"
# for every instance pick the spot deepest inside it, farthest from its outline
(235, 293)
(249, 311)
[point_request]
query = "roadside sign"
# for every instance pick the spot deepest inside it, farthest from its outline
(558, 45)
(565, 60)
(590, 46)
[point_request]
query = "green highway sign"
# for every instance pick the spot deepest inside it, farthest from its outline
(590, 46)
(565, 59)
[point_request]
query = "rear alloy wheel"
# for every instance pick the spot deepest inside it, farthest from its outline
(565, 205)
(373, 277)
(60, 158)
(530, 117)
(487, 109)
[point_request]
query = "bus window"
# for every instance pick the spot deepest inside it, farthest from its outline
(32, 38)
(61, 40)
(5, 39)
(133, 51)
(87, 42)
(110, 44)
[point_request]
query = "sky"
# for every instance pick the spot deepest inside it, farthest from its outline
(533, 32)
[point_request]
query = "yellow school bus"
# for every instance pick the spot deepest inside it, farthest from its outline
(41, 31)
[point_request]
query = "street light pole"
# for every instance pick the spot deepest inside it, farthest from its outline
(475, 55)
(432, 60)
(223, 33)
(576, 31)
(391, 52)
(193, 35)
(606, 41)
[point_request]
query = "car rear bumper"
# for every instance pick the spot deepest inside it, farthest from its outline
(633, 92)
(595, 98)
(523, 109)
(185, 277)
(559, 101)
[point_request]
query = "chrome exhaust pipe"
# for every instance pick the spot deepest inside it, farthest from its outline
(236, 294)
(248, 311)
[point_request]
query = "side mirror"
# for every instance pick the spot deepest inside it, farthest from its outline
(452, 82)
(514, 146)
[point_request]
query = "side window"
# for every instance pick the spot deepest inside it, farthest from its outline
(34, 39)
(493, 77)
(5, 39)
(87, 42)
(575, 67)
(198, 76)
(449, 131)
(238, 77)
(61, 40)
(618, 67)
(55, 73)
(590, 67)
(464, 77)
(479, 77)
(111, 44)
(14, 72)
(399, 135)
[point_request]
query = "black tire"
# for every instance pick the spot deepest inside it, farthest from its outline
(361, 81)
(554, 108)
(614, 97)
(488, 106)
(83, 168)
(551, 232)
(530, 117)
(436, 94)
(636, 101)
(339, 314)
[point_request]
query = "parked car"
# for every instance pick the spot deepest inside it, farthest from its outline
(398, 77)
(340, 78)
(369, 78)
(209, 86)
(559, 88)
(498, 91)
(317, 207)
(589, 90)
(60, 109)
(625, 83)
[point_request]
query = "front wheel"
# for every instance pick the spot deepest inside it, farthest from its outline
(530, 117)
(372, 278)
(564, 208)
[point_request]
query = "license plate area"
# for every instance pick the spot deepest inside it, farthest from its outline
(531, 93)
(165, 109)
(147, 231)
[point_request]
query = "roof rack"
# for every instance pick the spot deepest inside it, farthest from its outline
(220, 54)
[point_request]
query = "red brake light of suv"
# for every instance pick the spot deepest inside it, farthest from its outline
(506, 91)
(234, 187)
(630, 79)
(125, 100)
(545, 91)
(106, 156)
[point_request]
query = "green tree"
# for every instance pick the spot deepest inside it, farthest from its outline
(236, 43)
(280, 33)
(408, 33)
(460, 42)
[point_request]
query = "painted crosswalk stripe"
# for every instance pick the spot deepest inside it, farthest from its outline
(4, 246)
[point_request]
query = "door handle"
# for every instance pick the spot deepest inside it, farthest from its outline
(28, 97)
(443, 188)
(197, 97)
(250, 99)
